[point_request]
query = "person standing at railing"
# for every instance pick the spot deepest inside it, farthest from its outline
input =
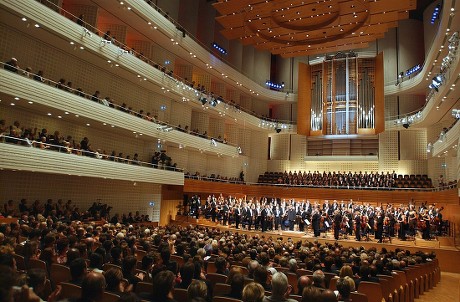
(12, 65)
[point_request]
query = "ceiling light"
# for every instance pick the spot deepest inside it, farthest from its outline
(88, 124)
(12, 104)
(76, 115)
(30, 102)
(66, 112)
(59, 116)
(24, 19)
(37, 25)
(49, 114)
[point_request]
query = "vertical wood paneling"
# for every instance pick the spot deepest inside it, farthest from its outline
(304, 100)
(379, 95)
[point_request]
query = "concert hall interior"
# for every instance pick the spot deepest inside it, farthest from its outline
(329, 121)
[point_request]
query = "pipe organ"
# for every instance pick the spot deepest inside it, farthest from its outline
(343, 96)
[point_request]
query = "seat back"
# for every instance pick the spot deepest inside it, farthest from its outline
(35, 263)
(221, 289)
(59, 273)
(224, 299)
(358, 297)
(144, 287)
(20, 262)
(180, 294)
(70, 291)
(107, 266)
(333, 283)
(109, 297)
(372, 290)
(216, 278)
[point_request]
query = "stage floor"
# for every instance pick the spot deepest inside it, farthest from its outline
(448, 254)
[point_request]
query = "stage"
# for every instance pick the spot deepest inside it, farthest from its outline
(448, 254)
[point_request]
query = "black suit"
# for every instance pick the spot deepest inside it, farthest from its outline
(358, 227)
(237, 214)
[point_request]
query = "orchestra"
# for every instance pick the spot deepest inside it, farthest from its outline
(343, 219)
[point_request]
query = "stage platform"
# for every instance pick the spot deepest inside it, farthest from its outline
(448, 254)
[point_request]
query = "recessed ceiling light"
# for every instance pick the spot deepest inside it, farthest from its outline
(72, 43)
(16, 98)
(81, 47)
(59, 116)
(76, 115)
(49, 114)
(30, 102)
(66, 112)
(37, 25)
(24, 19)
(12, 104)
(88, 124)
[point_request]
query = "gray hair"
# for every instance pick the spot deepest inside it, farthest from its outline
(279, 284)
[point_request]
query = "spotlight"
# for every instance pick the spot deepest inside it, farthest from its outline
(239, 150)
(87, 32)
(278, 130)
(104, 42)
(122, 51)
(406, 125)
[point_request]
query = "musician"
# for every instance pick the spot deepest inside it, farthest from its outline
(371, 216)
(213, 208)
(225, 210)
(278, 214)
(237, 216)
(337, 224)
(379, 232)
(291, 216)
(358, 225)
(315, 220)
(248, 217)
(304, 217)
(264, 217)
(425, 223)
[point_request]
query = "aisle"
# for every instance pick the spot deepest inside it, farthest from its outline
(447, 290)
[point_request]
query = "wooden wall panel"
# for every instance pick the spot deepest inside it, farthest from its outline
(379, 94)
(171, 197)
(304, 100)
(380, 196)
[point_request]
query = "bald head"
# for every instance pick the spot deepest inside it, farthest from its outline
(93, 286)
(303, 282)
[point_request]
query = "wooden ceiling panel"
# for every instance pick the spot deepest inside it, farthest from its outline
(289, 27)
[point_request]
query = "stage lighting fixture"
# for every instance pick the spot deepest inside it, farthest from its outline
(406, 125)
(203, 100)
(278, 130)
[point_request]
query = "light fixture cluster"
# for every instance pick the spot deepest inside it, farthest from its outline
(219, 48)
(456, 113)
(273, 85)
(410, 119)
(436, 13)
(413, 70)
(278, 127)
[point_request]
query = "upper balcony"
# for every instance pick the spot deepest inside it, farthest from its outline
(48, 99)
(59, 31)
(20, 156)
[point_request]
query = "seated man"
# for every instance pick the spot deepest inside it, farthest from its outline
(319, 280)
(92, 287)
(280, 289)
(78, 271)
